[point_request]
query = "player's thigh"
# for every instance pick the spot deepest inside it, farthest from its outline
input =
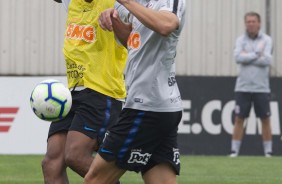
(160, 174)
(57, 135)
(262, 105)
(78, 143)
(103, 172)
(94, 114)
(243, 104)
(56, 146)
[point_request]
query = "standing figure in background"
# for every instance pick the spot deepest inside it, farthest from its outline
(253, 54)
(95, 61)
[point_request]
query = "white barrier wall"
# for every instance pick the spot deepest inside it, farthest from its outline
(31, 36)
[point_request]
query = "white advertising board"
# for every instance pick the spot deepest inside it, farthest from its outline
(21, 132)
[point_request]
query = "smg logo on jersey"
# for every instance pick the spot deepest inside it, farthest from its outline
(81, 32)
(134, 40)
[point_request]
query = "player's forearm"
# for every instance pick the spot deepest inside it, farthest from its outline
(245, 58)
(263, 61)
(265, 56)
(122, 31)
(162, 22)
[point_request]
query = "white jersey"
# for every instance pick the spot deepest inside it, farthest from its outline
(66, 3)
(150, 70)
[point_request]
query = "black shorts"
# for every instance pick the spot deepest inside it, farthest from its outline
(142, 139)
(244, 101)
(91, 114)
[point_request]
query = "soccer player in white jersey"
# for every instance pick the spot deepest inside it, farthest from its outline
(145, 137)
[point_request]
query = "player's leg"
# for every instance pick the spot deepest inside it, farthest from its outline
(242, 110)
(266, 129)
(267, 136)
(262, 110)
(103, 172)
(130, 143)
(160, 174)
(78, 152)
(95, 113)
(120, 149)
(104, 168)
(164, 164)
(53, 165)
(238, 128)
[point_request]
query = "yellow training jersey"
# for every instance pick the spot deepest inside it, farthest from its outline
(93, 57)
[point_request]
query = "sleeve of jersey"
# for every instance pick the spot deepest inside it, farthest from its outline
(175, 6)
(66, 4)
(123, 12)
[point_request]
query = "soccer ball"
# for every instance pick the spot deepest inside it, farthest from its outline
(50, 100)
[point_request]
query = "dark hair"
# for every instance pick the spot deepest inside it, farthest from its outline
(252, 14)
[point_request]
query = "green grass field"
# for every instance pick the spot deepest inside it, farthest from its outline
(22, 169)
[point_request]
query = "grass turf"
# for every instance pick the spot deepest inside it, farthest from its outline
(26, 169)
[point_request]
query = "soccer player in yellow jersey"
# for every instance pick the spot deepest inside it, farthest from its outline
(95, 62)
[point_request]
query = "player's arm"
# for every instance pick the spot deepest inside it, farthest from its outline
(110, 20)
(163, 22)
(265, 58)
(121, 30)
(241, 56)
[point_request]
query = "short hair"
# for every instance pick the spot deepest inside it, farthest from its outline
(252, 14)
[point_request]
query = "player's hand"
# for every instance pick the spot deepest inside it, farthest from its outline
(106, 19)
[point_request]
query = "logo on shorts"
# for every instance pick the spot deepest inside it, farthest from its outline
(176, 156)
(138, 157)
(106, 135)
(237, 109)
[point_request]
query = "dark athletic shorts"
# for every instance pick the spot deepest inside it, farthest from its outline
(142, 139)
(91, 114)
(244, 101)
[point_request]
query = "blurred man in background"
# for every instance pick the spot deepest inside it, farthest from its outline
(253, 54)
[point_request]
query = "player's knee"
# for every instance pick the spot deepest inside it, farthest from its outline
(74, 158)
(71, 159)
(45, 163)
(89, 178)
(95, 175)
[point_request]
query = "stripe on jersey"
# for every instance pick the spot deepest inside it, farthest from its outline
(175, 6)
